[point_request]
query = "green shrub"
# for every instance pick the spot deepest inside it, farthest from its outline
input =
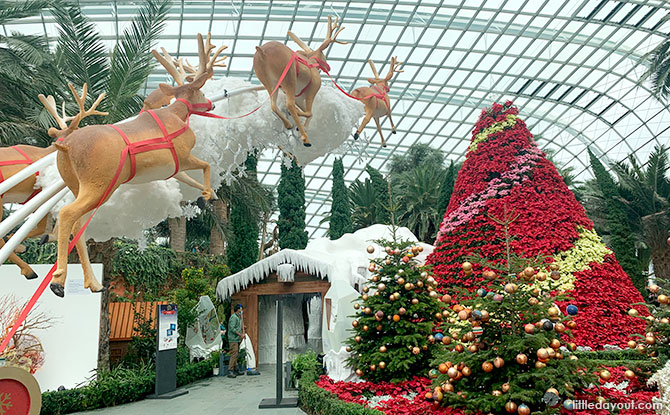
(118, 386)
(317, 401)
(303, 362)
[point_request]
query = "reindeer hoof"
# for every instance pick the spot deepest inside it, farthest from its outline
(356, 136)
(44, 239)
(57, 289)
(307, 144)
(393, 132)
(31, 276)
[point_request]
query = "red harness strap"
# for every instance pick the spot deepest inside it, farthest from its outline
(300, 60)
(25, 160)
(159, 143)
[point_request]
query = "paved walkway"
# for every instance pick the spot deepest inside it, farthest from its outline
(215, 395)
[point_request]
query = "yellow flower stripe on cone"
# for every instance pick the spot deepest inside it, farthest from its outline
(497, 127)
(589, 247)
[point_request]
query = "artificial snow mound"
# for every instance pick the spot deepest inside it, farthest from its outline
(225, 145)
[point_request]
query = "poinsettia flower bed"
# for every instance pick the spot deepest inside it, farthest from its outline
(408, 398)
(504, 170)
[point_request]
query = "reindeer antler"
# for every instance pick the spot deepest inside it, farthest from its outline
(330, 38)
(374, 70)
(168, 62)
(81, 101)
(207, 63)
(395, 65)
(50, 105)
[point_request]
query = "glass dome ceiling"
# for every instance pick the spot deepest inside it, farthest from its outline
(571, 66)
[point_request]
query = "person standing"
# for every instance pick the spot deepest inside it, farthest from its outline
(234, 339)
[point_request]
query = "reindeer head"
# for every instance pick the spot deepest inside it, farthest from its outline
(189, 80)
(393, 69)
(334, 29)
(65, 129)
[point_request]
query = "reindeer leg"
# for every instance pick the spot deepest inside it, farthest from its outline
(82, 250)
(366, 120)
(391, 121)
(26, 271)
(290, 103)
(308, 110)
(275, 109)
(188, 180)
(379, 129)
(194, 163)
(86, 200)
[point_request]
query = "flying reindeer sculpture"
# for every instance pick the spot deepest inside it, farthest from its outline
(95, 160)
(13, 159)
(376, 99)
(300, 69)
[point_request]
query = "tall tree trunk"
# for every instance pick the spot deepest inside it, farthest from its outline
(656, 228)
(177, 233)
(103, 252)
(216, 238)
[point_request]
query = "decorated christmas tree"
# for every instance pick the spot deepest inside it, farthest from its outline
(509, 347)
(392, 334)
(656, 339)
(504, 169)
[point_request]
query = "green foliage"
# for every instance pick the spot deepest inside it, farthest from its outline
(340, 213)
(37, 253)
(405, 297)
(503, 322)
(658, 326)
(302, 363)
(364, 204)
(146, 270)
(119, 386)
(447, 188)
(381, 189)
(244, 221)
(142, 346)
(291, 201)
(658, 66)
(195, 285)
(417, 154)
(622, 239)
(316, 401)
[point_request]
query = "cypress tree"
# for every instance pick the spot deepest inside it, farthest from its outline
(447, 188)
(243, 250)
(380, 185)
(291, 201)
(622, 241)
(340, 212)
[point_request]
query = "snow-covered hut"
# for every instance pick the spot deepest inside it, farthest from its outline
(318, 285)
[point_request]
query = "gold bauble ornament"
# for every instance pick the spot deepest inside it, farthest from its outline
(473, 348)
(540, 365)
(438, 316)
(555, 344)
(424, 347)
(555, 275)
(445, 313)
(573, 357)
(382, 365)
(388, 250)
(373, 367)
(632, 344)
(510, 407)
(370, 249)
(396, 295)
(379, 327)
(387, 261)
(529, 328)
(541, 276)
(559, 355)
(533, 301)
(416, 350)
(365, 297)
(366, 328)
(374, 278)
(505, 387)
(653, 288)
(381, 286)
(354, 323)
(489, 275)
(572, 324)
(401, 280)
(650, 340)
(521, 359)
(442, 368)
(553, 311)
(446, 340)
(640, 348)
(396, 318)
(357, 306)
(447, 387)
(523, 410)
(402, 311)
(359, 372)
(487, 367)
(446, 298)
(511, 288)
(633, 312)
(382, 349)
(467, 266)
(528, 272)
(463, 315)
(629, 374)
(554, 266)
(433, 294)
(485, 315)
(496, 393)
(552, 352)
(408, 286)
(559, 327)
(459, 348)
(415, 301)
(542, 354)
(452, 372)
(466, 371)
(498, 362)
(357, 339)
(605, 375)
(366, 289)
(600, 400)
(469, 336)
(420, 284)
(663, 299)
(665, 320)
(372, 267)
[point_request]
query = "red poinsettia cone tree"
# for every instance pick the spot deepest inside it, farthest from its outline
(505, 170)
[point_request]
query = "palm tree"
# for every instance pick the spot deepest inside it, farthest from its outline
(27, 68)
(646, 194)
(417, 200)
(364, 203)
(658, 61)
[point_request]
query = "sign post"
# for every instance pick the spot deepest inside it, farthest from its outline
(167, 334)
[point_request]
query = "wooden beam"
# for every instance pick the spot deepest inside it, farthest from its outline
(251, 319)
(280, 288)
